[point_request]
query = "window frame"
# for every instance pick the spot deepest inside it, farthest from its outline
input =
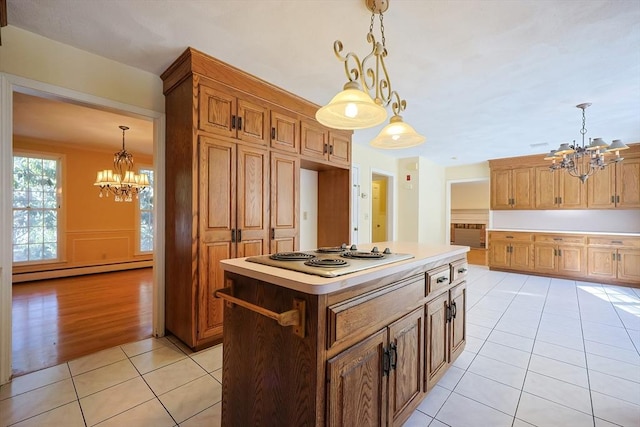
(138, 250)
(60, 181)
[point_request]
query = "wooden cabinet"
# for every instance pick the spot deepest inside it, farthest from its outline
(232, 184)
(618, 186)
(222, 112)
(565, 255)
(511, 250)
(320, 144)
(512, 188)
(384, 371)
(611, 258)
(557, 190)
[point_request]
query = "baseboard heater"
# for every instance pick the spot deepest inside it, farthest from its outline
(78, 271)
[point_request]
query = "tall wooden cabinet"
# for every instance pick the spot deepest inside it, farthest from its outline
(233, 149)
(512, 188)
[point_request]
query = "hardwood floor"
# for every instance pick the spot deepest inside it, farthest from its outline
(58, 320)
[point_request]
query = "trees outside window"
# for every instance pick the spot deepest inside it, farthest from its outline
(36, 184)
(145, 199)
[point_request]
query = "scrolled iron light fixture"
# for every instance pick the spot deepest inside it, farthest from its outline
(122, 181)
(582, 161)
(354, 108)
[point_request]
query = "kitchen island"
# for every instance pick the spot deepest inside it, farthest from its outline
(359, 349)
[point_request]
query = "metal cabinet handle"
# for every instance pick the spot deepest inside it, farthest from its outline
(233, 122)
(324, 149)
(273, 133)
(448, 314)
(462, 270)
(239, 123)
(233, 235)
(239, 235)
(454, 309)
(393, 355)
(441, 279)
(331, 149)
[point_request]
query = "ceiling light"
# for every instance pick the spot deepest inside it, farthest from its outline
(582, 161)
(122, 181)
(362, 104)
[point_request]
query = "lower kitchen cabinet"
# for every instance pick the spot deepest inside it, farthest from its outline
(560, 254)
(511, 250)
(384, 371)
(446, 332)
(611, 263)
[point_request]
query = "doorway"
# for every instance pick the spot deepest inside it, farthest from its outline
(13, 84)
(380, 192)
(468, 204)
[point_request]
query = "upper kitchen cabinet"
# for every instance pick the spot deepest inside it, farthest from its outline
(512, 188)
(233, 183)
(558, 190)
(618, 186)
(223, 112)
(320, 144)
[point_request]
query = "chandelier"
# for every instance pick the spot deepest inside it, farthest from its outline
(582, 161)
(122, 181)
(355, 107)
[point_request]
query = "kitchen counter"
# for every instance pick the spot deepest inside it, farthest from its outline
(316, 285)
(585, 233)
(362, 348)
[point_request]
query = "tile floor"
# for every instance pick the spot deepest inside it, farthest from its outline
(540, 352)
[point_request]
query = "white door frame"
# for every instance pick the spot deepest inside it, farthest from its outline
(391, 202)
(10, 83)
(447, 220)
(355, 203)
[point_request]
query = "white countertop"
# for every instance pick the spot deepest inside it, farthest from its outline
(317, 285)
(586, 233)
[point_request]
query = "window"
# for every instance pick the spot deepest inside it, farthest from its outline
(145, 199)
(35, 207)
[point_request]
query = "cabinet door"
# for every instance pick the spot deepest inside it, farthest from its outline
(500, 189)
(521, 256)
(437, 340)
(601, 263)
(216, 110)
(629, 265)
(339, 149)
(314, 141)
(545, 256)
(522, 188)
(285, 202)
(252, 234)
(357, 393)
(217, 218)
(252, 122)
(458, 335)
(406, 374)
(628, 183)
(572, 260)
(601, 189)
(572, 192)
(285, 133)
(546, 197)
(498, 253)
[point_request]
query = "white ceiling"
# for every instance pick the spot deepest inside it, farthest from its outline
(482, 78)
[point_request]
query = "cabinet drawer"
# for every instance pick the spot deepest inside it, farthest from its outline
(614, 241)
(500, 235)
(365, 313)
(438, 278)
(550, 238)
(459, 270)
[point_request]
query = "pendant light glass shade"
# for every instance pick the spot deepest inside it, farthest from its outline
(351, 109)
(397, 134)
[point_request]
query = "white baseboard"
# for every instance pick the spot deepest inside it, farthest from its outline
(79, 271)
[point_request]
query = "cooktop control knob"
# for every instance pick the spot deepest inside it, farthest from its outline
(343, 246)
(386, 251)
(375, 250)
(353, 248)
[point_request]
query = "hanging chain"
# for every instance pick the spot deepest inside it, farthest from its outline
(373, 14)
(583, 131)
(382, 29)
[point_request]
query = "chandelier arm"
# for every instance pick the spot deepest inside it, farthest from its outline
(398, 104)
(353, 74)
(370, 75)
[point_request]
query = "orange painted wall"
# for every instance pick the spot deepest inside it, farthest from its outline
(94, 230)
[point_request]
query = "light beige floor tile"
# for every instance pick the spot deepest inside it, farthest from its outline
(210, 417)
(477, 331)
(451, 378)
(520, 423)
(498, 371)
(112, 401)
(511, 340)
(544, 413)
(489, 392)
(34, 380)
(150, 413)
(35, 402)
(436, 423)
(172, 376)
(473, 344)
(417, 419)
(180, 345)
(570, 341)
(561, 392)
(560, 370)
(614, 368)
(68, 415)
(217, 375)
(603, 423)
(210, 359)
(139, 347)
(505, 354)
(188, 400)
(96, 360)
(154, 359)
(459, 411)
(464, 360)
(434, 400)
(614, 410)
(615, 353)
(615, 387)
(563, 354)
(105, 377)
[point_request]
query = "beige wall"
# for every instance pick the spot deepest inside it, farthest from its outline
(35, 57)
(470, 195)
(468, 172)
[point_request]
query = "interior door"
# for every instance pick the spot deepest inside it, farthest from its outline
(379, 209)
(252, 234)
